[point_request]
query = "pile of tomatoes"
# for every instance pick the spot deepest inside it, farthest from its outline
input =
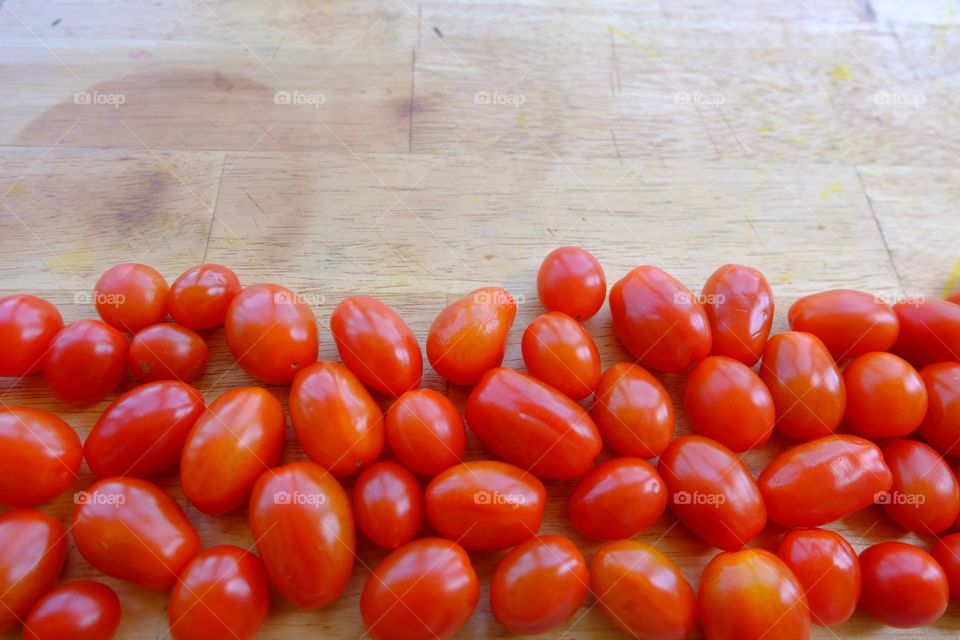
(868, 392)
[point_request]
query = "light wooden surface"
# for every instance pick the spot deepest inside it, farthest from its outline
(818, 141)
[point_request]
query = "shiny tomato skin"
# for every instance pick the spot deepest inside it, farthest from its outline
(337, 422)
(388, 504)
(571, 281)
(903, 586)
(725, 400)
(633, 411)
(849, 323)
(40, 455)
(425, 431)
(659, 321)
(303, 526)
(925, 495)
(712, 492)
(822, 480)
(131, 297)
(200, 297)
(538, 585)
(560, 352)
(617, 499)
(86, 360)
(828, 570)
(532, 425)
(27, 326)
(168, 351)
(425, 590)
(941, 424)
(739, 304)
(80, 610)
(642, 591)
(954, 298)
(947, 554)
(929, 332)
(886, 397)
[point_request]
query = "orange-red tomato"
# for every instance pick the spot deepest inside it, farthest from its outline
(337, 422)
(538, 585)
(27, 326)
(941, 423)
(633, 411)
(468, 338)
(167, 352)
(388, 504)
(303, 527)
(131, 297)
(903, 586)
(659, 320)
(725, 400)
(739, 304)
(557, 350)
(806, 385)
(425, 431)
(642, 591)
(947, 554)
(40, 455)
(199, 298)
(925, 495)
(618, 498)
(828, 571)
(571, 280)
(485, 505)
(377, 345)
(929, 332)
(79, 610)
(85, 362)
(271, 332)
(425, 589)
(849, 323)
(886, 397)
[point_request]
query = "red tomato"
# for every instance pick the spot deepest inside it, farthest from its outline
(642, 591)
(711, 492)
(338, 424)
(377, 345)
(80, 610)
(85, 362)
(828, 571)
(557, 350)
(271, 332)
(167, 352)
(751, 595)
(947, 554)
(199, 298)
(485, 505)
(301, 521)
(659, 320)
(929, 332)
(806, 385)
(886, 397)
(633, 411)
(618, 498)
(236, 439)
(941, 424)
(468, 338)
(532, 425)
(388, 504)
(223, 593)
(538, 585)
(425, 589)
(903, 586)
(725, 400)
(33, 547)
(27, 326)
(571, 281)
(849, 323)
(131, 297)
(130, 529)
(425, 431)
(819, 481)
(739, 304)
(40, 455)
(954, 298)
(925, 496)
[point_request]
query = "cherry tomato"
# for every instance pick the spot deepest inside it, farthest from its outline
(642, 591)
(571, 281)
(237, 438)
(85, 362)
(711, 492)
(538, 585)
(425, 589)
(425, 431)
(751, 595)
(725, 400)
(805, 384)
(199, 298)
(338, 424)
(618, 498)
(947, 554)
(80, 610)
(828, 571)
(633, 411)
(903, 586)
(468, 338)
(388, 504)
(27, 326)
(560, 352)
(659, 320)
(33, 547)
(929, 332)
(377, 345)
(223, 592)
(532, 425)
(849, 323)
(886, 397)
(739, 304)
(485, 505)
(131, 297)
(168, 352)
(941, 423)
(925, 496)
(819, 481)
(271, 332)
(303, 527)
(130, 529)
(40, 455)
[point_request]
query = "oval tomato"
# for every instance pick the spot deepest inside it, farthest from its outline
(27, 326)
(947, 554)
(886, 397)
(131, 297)
(739, 305)
(828, 571)
(929, 332)
(560, 352)
(617, 499)
(167, 352)
(571, 280)
(80, 610)
(388, 504)
(85, 362)
(200, 297)
(849, 323)
(903, 586)
(633, 411)
(941, 424)
(40, 455)
(925, 495)
(425, 431)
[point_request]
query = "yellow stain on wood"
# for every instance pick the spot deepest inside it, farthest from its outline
(765, 131)
(522, 121)
(952, 279)
(69, 262)
(15, 188)
(842, 72)
(785, 278)
(831, 191)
